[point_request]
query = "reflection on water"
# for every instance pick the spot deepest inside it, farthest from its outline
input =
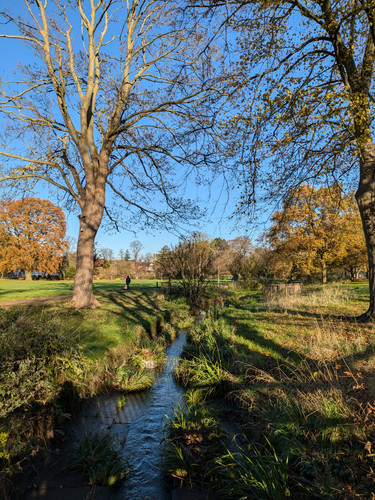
(139, 425)
(144, 412)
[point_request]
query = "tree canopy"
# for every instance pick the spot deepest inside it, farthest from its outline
(319, 229)
(303, 101)
(32, 233)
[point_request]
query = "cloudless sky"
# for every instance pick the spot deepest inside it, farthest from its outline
(218, 204)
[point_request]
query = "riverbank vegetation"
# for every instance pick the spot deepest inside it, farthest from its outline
(53, 357)
(297, 374)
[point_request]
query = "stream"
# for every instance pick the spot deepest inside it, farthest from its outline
(138, 428)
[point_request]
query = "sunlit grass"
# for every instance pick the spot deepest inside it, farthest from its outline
(20, 289)
(300, 370)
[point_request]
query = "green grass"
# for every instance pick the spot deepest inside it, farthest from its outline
(12, 290)
(99, 461)
(300, 370)
(53, 356)
(20, 289)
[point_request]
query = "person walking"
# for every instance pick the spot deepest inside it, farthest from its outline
(127, 282)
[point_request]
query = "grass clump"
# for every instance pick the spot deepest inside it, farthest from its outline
(193, 441)
(98, 460)
(130, 380)
(252, 473)
(207, 362)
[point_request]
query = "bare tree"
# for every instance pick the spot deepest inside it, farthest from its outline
(117, 110)
(107, 254)
(193, 261)
(136, 247)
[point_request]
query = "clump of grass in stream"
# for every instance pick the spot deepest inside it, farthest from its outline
(169, 333)
(207, 362)
(99, 461)
(151, 357)
(193, 441)
(128, 379)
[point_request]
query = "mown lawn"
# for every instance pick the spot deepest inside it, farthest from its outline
(20, 289)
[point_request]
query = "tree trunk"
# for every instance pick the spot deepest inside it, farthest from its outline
(28, 276)
(365, 196)
(324, 272)
(89, 224)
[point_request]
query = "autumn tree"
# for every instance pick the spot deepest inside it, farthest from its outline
(353, 257)
(319, 230)
(32, 233)
(305, 82)
(117, 94)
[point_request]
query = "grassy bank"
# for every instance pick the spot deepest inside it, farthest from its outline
(54, 356)
(299, 376)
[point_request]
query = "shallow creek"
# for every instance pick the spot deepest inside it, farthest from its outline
(138, 427)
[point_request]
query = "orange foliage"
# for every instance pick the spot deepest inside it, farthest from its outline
(32, 235)
(317, 229)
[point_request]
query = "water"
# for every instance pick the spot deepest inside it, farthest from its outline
(143, 413)
(138, 427)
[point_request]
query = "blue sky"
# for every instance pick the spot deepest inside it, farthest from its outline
(217, 223)
(218, 204)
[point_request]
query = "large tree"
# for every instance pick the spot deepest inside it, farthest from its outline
(33, 236)
(305, 81)
(115, 97)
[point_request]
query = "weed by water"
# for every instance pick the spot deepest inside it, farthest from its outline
(128, 379)
(99, 461)
(149, 357)
(253, 473)
(193, 441)
(208, 359)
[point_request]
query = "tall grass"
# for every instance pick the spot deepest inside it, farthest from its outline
(99, 461)
(252, 473)
(329, 295)
(303, 384)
